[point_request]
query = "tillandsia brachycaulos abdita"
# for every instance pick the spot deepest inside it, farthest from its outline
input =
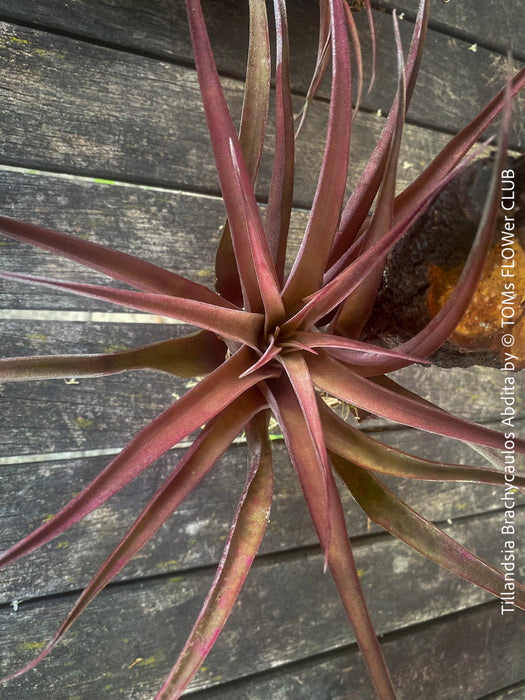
(274, 338)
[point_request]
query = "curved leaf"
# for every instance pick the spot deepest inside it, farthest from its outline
(299, 376)
(321, 63)
(237, 189)
(354, 311)
(196, 463)
(280, 199)
(307, 272)
(371, 27)
(385, 509)
(340, 381)
(354, 352)
(338, 551)
(360, 449)
(251, 137)
(243, 326)
(188, 356)
(202, 403)
(264, 268)
(356, 45)
(242, 544)
(120, 266)
(360, 202)
(439, 328)
(455, 149)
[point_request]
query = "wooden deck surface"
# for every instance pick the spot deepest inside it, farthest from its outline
(103, 135)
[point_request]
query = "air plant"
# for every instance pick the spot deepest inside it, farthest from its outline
(273, 341)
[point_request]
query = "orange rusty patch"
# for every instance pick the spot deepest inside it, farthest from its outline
(518, 349)
(480, 328)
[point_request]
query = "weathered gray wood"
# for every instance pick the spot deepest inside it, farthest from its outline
(135, 118)
(54, 415)
(162, 31)
(465, 653)
(162, 226)
(60, 115)
(155, 616)
(162, 28)
(194, 535)
(475, 394)
(101, 412)
(514, 691)
(495, 23)
(27, 337)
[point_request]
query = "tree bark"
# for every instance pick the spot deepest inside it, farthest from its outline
(423, 268)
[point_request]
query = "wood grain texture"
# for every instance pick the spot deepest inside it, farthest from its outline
(161, 28)
(195, 534)
(162, 31)
(420, 658)
(272, 625)
(107, 91)
(139, 119)
(102, 412)
(158, 224)
(496, 23)
(515, 691)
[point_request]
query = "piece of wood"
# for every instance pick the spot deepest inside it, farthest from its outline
(162, 28)
(156, 224)
(104, 90)
(54, 416)
(496, 23)
(424, 267)
(101, 412)
(162, 31)
(515, 691)
(96, 128)
(272, 625)
(194, 535)
(422, 658)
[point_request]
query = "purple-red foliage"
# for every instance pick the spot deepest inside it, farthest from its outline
(270, 342)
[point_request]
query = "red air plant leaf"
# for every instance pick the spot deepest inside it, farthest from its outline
(270, 344)
(251, 138)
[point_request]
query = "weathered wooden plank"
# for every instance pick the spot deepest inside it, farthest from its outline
(470, 653)
(77, 150)
(162, 31)
(103, 412)
(495, 23)
(70, 105)
(476, 393)
(162, 28)
(272, 625)
(194, 536)
(141, 119)
(445, 97)
(26, 337)
(169, 228)
(516, 691)
(130, 117)
(94, 413)
(158, 225)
